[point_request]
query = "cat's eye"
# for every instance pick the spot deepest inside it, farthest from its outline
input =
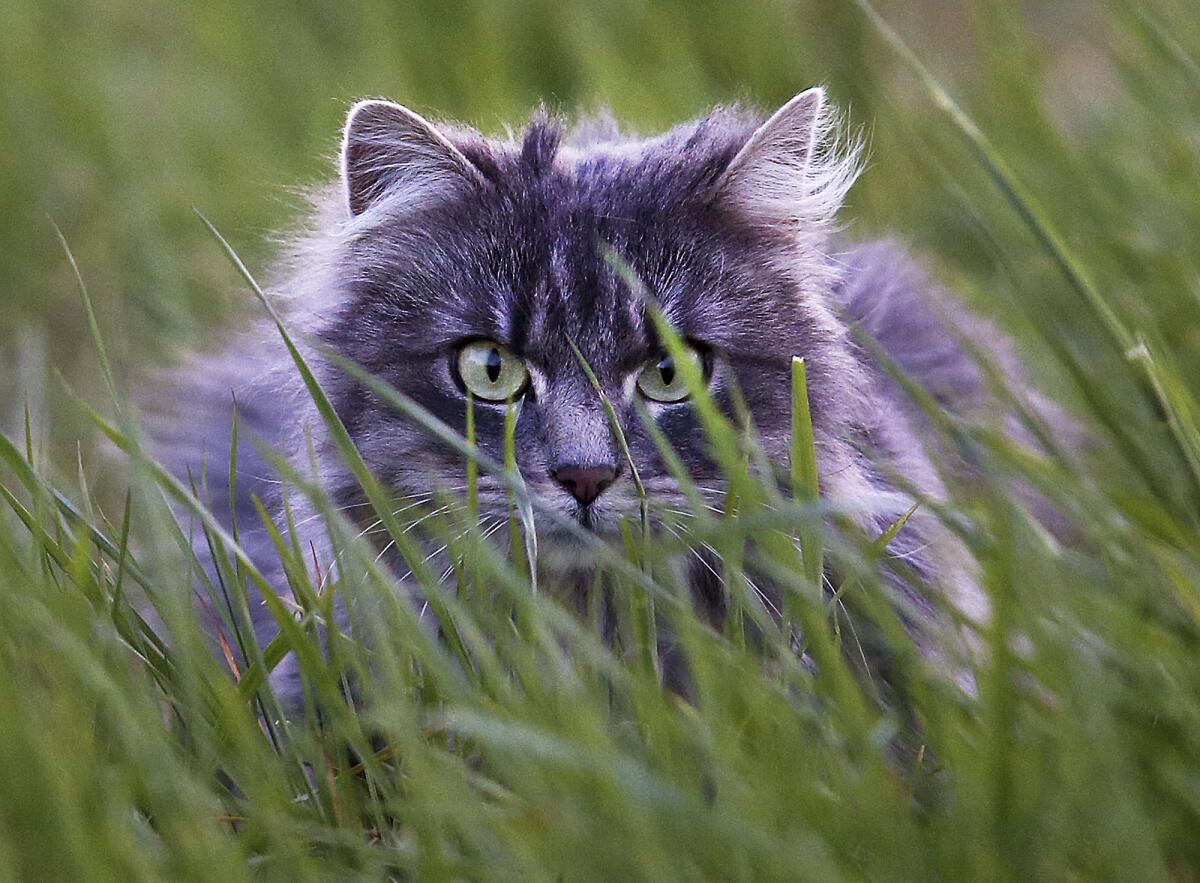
(491, 372)
(662, 381)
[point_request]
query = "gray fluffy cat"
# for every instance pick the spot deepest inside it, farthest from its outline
(446, 261)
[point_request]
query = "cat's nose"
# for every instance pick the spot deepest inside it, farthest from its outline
(585, 483)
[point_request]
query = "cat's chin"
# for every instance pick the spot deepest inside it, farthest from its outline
(561, 553)
(558, 559)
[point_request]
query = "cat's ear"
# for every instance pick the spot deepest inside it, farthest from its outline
(789, 169)
(386, 147)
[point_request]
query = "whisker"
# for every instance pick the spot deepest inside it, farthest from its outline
(904, 556)
(410, 527)
(442, 548)
(316, 515)
(373, 529)
(762, 596)
(488, 531)
(500, 522)
(692, 549)
(854, 633)
(374, 526)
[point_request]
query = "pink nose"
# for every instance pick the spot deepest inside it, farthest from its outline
(584, 482)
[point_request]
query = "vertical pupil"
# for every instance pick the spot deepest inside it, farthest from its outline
(494, 363)
(666, 370)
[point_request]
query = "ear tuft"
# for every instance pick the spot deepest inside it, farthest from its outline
(388, 148)
(791, 169)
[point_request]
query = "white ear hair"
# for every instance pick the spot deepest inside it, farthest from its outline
(387, 147)
(789, 170)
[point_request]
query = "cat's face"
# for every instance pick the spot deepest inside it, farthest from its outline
(473, 265)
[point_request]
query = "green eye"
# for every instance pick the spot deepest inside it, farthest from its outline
(491, 372)
(662, 381)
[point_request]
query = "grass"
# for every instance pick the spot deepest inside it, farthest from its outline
(1046, 166)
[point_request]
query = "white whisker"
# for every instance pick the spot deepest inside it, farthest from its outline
(315, 516)
(488, 531)
(762, 596)
(418, 522)
(904, 556)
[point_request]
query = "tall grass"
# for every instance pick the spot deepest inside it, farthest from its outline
(476, 726)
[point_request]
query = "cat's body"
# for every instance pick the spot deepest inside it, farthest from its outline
(437, 238)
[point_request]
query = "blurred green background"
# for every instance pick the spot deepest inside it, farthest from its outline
(116, 118)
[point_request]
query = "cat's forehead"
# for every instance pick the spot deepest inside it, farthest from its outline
(538, 256)
(585, 215)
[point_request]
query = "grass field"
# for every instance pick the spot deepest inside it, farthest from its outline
(1044, 161)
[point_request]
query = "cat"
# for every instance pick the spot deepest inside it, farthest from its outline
(445, 262)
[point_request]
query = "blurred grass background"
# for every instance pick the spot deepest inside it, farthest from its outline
(116, 118)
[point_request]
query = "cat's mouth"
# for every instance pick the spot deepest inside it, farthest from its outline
(602, 524)
(586, 517)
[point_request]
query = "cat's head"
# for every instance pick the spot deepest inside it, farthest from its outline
(463, 263)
